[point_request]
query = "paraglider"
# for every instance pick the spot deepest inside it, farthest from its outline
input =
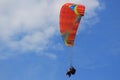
(71, 71)
(70, 16)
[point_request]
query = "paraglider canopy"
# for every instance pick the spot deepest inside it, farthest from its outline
(70, 16)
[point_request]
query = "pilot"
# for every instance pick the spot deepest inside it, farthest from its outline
(71, 71)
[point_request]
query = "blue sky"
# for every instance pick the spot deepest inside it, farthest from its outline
(31, 47)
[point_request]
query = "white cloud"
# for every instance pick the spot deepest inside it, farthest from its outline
(58, 46)
(28, 25)
(50, 55)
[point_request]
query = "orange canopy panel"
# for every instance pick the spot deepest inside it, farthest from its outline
(70, 16)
